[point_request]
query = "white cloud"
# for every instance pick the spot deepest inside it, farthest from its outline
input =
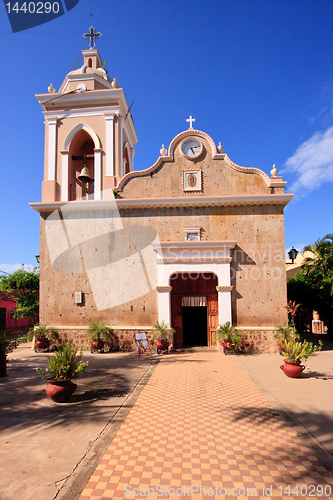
(10, 268)
(312, 162)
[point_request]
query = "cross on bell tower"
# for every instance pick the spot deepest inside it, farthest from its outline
(92, 35)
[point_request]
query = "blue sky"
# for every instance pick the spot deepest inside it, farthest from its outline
(257, 76)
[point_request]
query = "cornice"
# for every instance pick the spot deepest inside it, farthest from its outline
(195, 245)
(89, 97)
(195, 260)
(205, 201)
(83, 112)
(94, 103)
(176, 202)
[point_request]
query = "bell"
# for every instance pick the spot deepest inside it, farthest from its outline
(84, 175)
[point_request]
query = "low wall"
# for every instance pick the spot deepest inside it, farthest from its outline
(259, 341)
(124, 339)
(256, 340)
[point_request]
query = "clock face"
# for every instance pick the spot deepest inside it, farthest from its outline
(191, 147)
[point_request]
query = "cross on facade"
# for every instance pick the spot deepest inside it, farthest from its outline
(92, 35)
(190, 119)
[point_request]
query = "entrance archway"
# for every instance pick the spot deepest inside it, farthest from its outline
(194, 308)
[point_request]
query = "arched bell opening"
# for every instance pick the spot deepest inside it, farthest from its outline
(126, 162)
(81, 171)
(126, 159)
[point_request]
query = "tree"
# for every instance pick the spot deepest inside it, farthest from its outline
(313, 284)
(26, 285)
(322, 261)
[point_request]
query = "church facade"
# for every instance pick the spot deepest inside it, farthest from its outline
(194, 240)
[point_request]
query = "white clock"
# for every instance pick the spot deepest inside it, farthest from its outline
(81, 87)
(191, 147)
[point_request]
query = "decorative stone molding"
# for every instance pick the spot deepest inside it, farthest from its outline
(75, 130)
(195, 245)
(221, 288)
(276, 182)
(164, 288)
(194, 260)
(174, 202)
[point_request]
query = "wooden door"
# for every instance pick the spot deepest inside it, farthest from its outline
(213, 318)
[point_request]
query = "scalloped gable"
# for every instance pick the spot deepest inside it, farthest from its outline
(220, 176)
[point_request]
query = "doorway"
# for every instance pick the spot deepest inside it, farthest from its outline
(195, 326)
(194, 308)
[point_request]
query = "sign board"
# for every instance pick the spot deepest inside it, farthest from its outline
(142, 343)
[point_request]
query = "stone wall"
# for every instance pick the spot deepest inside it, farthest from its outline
(255, 342)
(258, 260)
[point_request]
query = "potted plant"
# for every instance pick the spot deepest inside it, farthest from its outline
(229, 337)
(98, 334)
(295, 352)
(43, 336)
(6, 346)
(161, 336)
(65, 365)
(284, 333)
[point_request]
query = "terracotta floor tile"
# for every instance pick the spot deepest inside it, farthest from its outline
(220, 431)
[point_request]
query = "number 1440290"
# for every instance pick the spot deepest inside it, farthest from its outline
(306, 490)
(33, 7)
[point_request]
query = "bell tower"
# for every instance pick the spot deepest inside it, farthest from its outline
(89, 133)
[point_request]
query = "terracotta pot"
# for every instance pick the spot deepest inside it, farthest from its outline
(60, 390)
(227, 345)
(42, 343)
(162, 346)
(292, 369)
(97, 345)
(3, 368)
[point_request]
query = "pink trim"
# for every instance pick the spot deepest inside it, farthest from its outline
(49, 191)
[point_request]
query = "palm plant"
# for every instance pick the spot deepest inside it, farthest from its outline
(43, 332)
(322, 261)
(161, 332)
(230, 333)
(99, 331)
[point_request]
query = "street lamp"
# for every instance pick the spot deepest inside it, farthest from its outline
(292, 254)
(38, 258)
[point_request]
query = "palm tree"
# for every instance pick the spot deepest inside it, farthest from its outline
(322, 261)
(318, 271)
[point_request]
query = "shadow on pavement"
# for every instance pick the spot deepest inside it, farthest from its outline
(318, 426)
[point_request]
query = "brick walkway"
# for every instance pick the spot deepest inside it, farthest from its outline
(200, 424)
